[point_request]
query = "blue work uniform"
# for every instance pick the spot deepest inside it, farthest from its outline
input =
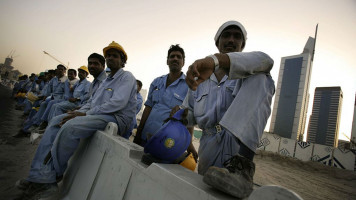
(81, 92)
(162, 99)
(233, 110)
(114, 101)
(134, 121)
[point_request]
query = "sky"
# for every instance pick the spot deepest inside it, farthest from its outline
(72, 30)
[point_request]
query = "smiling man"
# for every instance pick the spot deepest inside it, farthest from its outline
(114, 101)
(230, 100)
(165, 92)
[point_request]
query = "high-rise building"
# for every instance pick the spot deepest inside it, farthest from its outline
(353, 130)
(292, 94)
(325, 118)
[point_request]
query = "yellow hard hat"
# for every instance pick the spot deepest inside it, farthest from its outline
(32, 97)
(114, 45)
(189, 162)
(84, 68)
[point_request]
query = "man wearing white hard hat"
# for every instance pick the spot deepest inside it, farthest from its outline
(114, 101)
(229, 98)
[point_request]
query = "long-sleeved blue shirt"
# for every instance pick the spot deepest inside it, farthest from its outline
(115, 96)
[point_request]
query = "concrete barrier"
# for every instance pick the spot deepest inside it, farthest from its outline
(344, 159)
(106, 166)
(272, 143)
(303, 151)
(323, 154)
(287, 147)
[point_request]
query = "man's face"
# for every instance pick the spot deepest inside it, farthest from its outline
(113, 59)
(60, 71)
(71, 75)
(138, 87)
(175, 61)
(231, 40)
(82, 74)
(95, 67)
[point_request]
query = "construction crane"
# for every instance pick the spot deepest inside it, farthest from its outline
(56, 59)
(11, 55)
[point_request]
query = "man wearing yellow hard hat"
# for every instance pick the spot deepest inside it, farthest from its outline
(114, 101)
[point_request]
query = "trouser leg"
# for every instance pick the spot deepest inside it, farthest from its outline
(40, 172)
(247, 116)
(70, 134)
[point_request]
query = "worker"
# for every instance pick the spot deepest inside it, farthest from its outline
(229, 99)
(96, 65)
(165, 92)
(114, 101)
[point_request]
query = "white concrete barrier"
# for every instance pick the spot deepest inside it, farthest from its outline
(272, 143)
(106, 166)
(287, 147)
(344, 159)
(303, 151)
(323, 154)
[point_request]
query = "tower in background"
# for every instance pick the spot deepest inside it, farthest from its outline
(353, 130)
(325, 118)
(292, 94)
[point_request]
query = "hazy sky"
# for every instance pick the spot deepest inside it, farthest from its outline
(72, 30)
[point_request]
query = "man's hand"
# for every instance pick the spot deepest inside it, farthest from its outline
(70, 116)
(73, 100)
(191, 149)
(137, 139)
(199, 71)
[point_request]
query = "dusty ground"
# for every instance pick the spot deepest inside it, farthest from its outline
(309, 179)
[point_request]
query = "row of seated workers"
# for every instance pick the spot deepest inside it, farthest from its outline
(227, 95)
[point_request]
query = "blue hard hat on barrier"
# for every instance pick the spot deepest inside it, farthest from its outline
(171, 140)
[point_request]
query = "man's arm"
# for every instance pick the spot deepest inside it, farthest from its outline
(145, 114)
(237, 64)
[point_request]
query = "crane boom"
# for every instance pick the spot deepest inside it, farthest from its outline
(55, 59)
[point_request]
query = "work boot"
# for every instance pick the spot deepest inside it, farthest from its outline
(20, 134)
(23, 184)
(235, 179)
(41, 190)
(33, 128)
(43, 126)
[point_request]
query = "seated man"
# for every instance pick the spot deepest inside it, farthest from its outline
(114, 101)
(231, 104)
(77, 94)
(96, 65)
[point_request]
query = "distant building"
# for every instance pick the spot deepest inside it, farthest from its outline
(325, 118)
(353, 130)
(292, 94)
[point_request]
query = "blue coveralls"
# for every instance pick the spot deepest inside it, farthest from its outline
(134, 122)
(162, 99)
(241, 105)
(114, 101)
(81, 91)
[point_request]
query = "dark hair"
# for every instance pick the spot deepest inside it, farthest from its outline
(176, 48)
(139, 83)
(75, 71)
(60, 65)
(123, 58)
(99, 57)
(52, 71)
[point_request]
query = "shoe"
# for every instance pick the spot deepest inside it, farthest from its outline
(235, 179)
(22, 184)
(41, 190)
(43, 126)
(32, 128)
(20, 134)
